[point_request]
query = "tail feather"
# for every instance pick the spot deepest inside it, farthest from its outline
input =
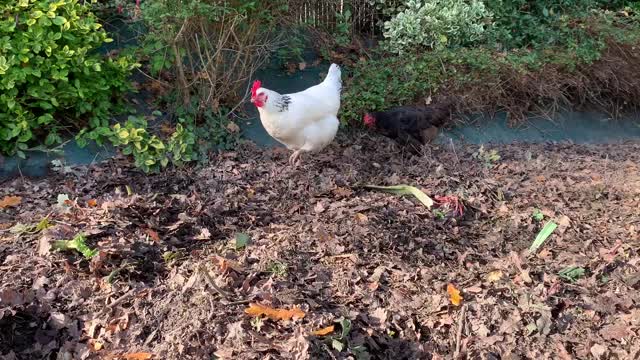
(440, 113)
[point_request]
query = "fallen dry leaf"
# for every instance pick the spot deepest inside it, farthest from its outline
(324, 331)
(9, 201)
(342, 192)
(166, 128)
(204, 234)
(494, 276)
(274, 314)
(95, 345)
(233, 127)
(152, 234)
(226, 264)
(137, 356)
(617, 331)
(362, 218)
(454, 295)
(598, 351)
(92, 203)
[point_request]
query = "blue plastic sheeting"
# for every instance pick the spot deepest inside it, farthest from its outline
(576, 127)
(38, 164)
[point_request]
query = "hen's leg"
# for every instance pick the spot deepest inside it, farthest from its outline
(294, 158)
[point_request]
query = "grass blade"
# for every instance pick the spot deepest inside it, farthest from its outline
(546, 231)
(405, 190)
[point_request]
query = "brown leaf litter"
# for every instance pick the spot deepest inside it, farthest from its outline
(364, 271)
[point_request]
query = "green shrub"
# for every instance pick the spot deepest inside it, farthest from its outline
(51, 79)
(377, 85)
(187, 143)
(436, 23)
(541, 23)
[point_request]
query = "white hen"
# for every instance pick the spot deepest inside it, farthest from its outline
(305, 121)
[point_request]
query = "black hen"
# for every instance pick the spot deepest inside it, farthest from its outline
(410, 125)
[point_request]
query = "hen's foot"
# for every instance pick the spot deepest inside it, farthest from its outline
(294, 159)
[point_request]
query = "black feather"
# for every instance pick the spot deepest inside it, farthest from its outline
(283, 104)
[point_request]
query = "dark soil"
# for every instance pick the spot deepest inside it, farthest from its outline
(372, 261)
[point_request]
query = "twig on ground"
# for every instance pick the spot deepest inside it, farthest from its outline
(463, 314)
(117, 302)
(207, 277)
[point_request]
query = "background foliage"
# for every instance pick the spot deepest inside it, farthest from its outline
(199, 55)
(51, 79)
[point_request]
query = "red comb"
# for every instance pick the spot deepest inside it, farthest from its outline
(256, 85)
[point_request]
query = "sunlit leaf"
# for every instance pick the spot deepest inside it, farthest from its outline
(494, 276)
(138, 356)
(9, 201)
(362, 218)
(454, 295)
(405, 190)
(152, 234)
(63, 200)
(324, 331)
(274, 314)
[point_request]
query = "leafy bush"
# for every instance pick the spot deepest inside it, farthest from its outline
(436, 23)
(377, 85)
(51, 79)
(186, 143)
(212, 47)
(518, 81)
(535, 54)
(541, 23)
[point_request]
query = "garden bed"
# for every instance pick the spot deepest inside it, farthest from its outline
(343, 254)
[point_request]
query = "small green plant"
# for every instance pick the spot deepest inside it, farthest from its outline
(293, 47)
(339, 342)
(188, 142)
(537, 215)
(278, 269)
(439, 214)
(542, 236)
(488, 158)
(572, 273)
(257, 323)
(170, 256)
(20, 228)
(78, 243)
(50, 76)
